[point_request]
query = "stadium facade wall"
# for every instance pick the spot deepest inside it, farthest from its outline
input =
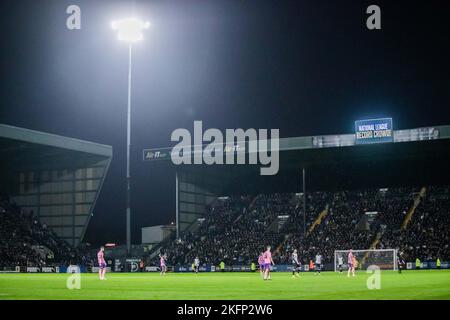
(195, 193)
(62, 199)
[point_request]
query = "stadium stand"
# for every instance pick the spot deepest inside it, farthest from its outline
(237, 228)
(26, 242)
(48, 189)
(428, 233)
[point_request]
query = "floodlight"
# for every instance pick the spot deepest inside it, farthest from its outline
(130, 29)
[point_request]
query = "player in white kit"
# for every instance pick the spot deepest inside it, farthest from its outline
(340, 264)
(295, 265)
(196, 264)
(318, 264)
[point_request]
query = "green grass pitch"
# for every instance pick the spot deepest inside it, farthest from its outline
(425, 284)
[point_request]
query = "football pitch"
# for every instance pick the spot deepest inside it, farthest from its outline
(425, 284)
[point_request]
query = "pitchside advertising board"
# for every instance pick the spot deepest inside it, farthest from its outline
(133, 267)
(374, 131)
(42, 269)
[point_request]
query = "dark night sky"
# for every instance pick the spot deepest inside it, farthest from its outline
(305, 67)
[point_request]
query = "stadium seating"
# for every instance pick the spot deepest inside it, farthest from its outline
(26, 242)
(236, 229)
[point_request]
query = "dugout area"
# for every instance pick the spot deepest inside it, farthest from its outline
(56, 178)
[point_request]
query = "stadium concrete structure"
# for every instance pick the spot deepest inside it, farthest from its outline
(60, 178)
(329, 162)
(57, 178)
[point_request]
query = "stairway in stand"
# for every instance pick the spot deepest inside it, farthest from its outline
(319, 219)
(411, 210)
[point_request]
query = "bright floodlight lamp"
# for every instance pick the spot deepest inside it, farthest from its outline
(130, 29)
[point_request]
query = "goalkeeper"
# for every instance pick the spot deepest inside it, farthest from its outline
(400, 261)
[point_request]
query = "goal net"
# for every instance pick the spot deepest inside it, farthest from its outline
(385, 259)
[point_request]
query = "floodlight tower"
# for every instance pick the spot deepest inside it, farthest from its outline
(129, 30)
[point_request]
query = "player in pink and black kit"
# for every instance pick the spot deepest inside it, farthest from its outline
(351, 267)
(101, 263)
(267, 262)
(261, 264)
(162, 264)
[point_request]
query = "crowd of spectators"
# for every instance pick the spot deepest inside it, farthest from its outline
(24, 241)
(427, 236)
(345, 224)
(232, 231)
(236, 229)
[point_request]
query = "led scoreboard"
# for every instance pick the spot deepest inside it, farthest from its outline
(374, 131)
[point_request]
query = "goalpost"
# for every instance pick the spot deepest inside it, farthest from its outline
(385, 259)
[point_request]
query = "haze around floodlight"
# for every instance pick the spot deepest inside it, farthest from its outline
(130, 29)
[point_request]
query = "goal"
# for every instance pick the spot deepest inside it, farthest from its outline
(385, 259)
